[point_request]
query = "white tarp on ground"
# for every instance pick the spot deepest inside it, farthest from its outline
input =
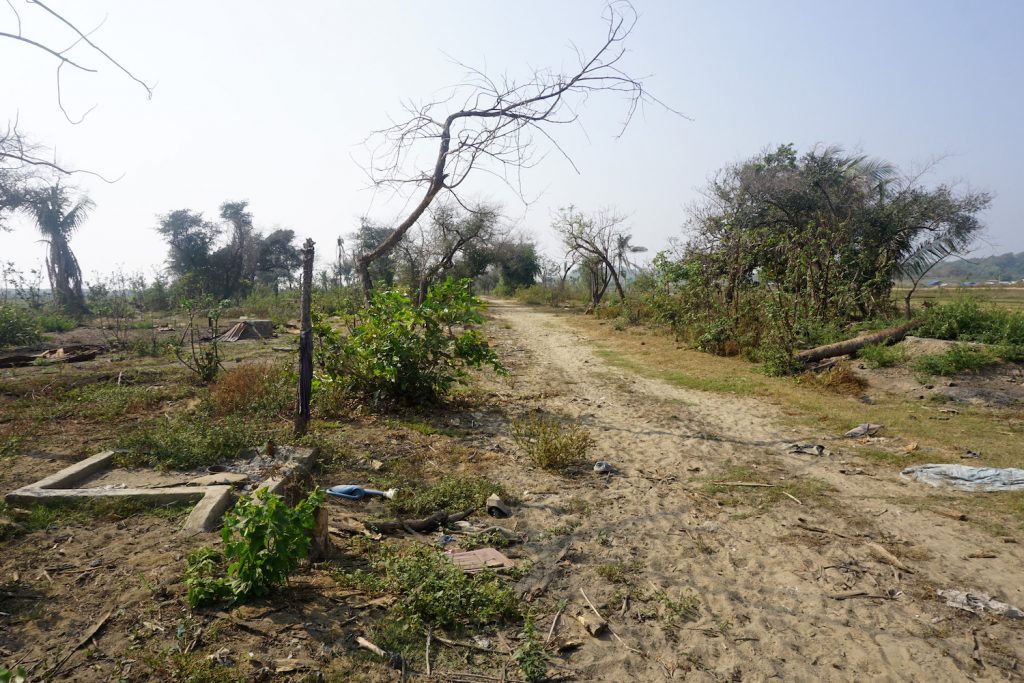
(966, 478)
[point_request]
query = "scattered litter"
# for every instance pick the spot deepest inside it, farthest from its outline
(885, 557)
(355, 492)
(979, 603)
(604, 467)
(445, 540)
(910, 447)
(473, 561)
(851, 470)
(967, 478)
(807, 448)
(496, 507)
(970, 454)
(219, 478)
(861, 430)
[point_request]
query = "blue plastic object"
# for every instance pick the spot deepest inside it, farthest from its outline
(354, 492)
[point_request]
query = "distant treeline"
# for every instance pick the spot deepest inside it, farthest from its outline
(1008, 266)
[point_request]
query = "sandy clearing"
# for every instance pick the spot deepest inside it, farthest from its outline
(762, 581)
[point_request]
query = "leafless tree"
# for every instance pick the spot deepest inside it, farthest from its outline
(21, 159)
(599, 245)
(492, 125)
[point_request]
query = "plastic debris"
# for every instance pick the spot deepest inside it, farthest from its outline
(496, 507)
(604, 467)
(970, 454)
(979, 603)
(967, 478)
(807, 448)
(355, 492)
(473, 561)
(862, 430)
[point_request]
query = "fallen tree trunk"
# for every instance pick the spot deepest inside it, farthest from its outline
(438, 519)
(891, 335)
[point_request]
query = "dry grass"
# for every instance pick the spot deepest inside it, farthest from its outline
(253, 387)
(839, 379)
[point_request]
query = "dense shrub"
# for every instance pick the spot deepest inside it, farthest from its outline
(969, 320)
(451, 493)
(16, 326)
(55, 322)
(397, 351)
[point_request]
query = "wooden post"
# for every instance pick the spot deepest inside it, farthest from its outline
(305, 342)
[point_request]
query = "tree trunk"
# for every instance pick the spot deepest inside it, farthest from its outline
(305, 390)
(893, 334)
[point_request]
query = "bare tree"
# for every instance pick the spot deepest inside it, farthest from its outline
(494, 129)
(599, 245)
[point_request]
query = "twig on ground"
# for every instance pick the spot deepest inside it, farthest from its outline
(89, 635)
(743, 483)
(610, 629)
(554, 625)
(792, 497)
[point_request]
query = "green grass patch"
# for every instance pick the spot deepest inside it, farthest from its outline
(38, 517)
(425, 428)
(454, 493)
(188, 441)
(881, 355)
(959, 358)
(742, 386)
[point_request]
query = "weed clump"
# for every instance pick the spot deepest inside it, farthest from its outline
(16, 327)
(550, 444)
(529, 656)
(839, 379)
(451, 493)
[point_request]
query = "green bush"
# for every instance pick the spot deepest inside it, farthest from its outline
(264, 541)
(16, 327)
(550, 444)
(401, 352)
(881, 355)
(959, 358)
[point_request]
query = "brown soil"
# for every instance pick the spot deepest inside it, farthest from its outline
(758, 571)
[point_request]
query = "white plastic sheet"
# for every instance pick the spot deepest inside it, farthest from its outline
(966, 478)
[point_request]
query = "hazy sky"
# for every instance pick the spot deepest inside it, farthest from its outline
(271, 102)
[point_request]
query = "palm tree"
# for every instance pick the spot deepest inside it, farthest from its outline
(621, 254)
(58, 214)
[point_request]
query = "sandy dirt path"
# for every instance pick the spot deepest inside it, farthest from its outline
(762, 579)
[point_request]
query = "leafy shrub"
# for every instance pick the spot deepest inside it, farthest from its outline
(959, 358)
(187, 441)
(264, 541)
(16, 327)
(257, 388)
(550, 444)
(881, 355)
(451, 493)
(398, 351)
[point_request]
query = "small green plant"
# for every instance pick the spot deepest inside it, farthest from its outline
(529, 656)
(16, 675)
(958, 358)
(624, 573)
(396, 351)
(203, 361)
(881, 355)
(677, 612)
(550, 444)
(16, 326)
(55, 322)
(264, 540)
